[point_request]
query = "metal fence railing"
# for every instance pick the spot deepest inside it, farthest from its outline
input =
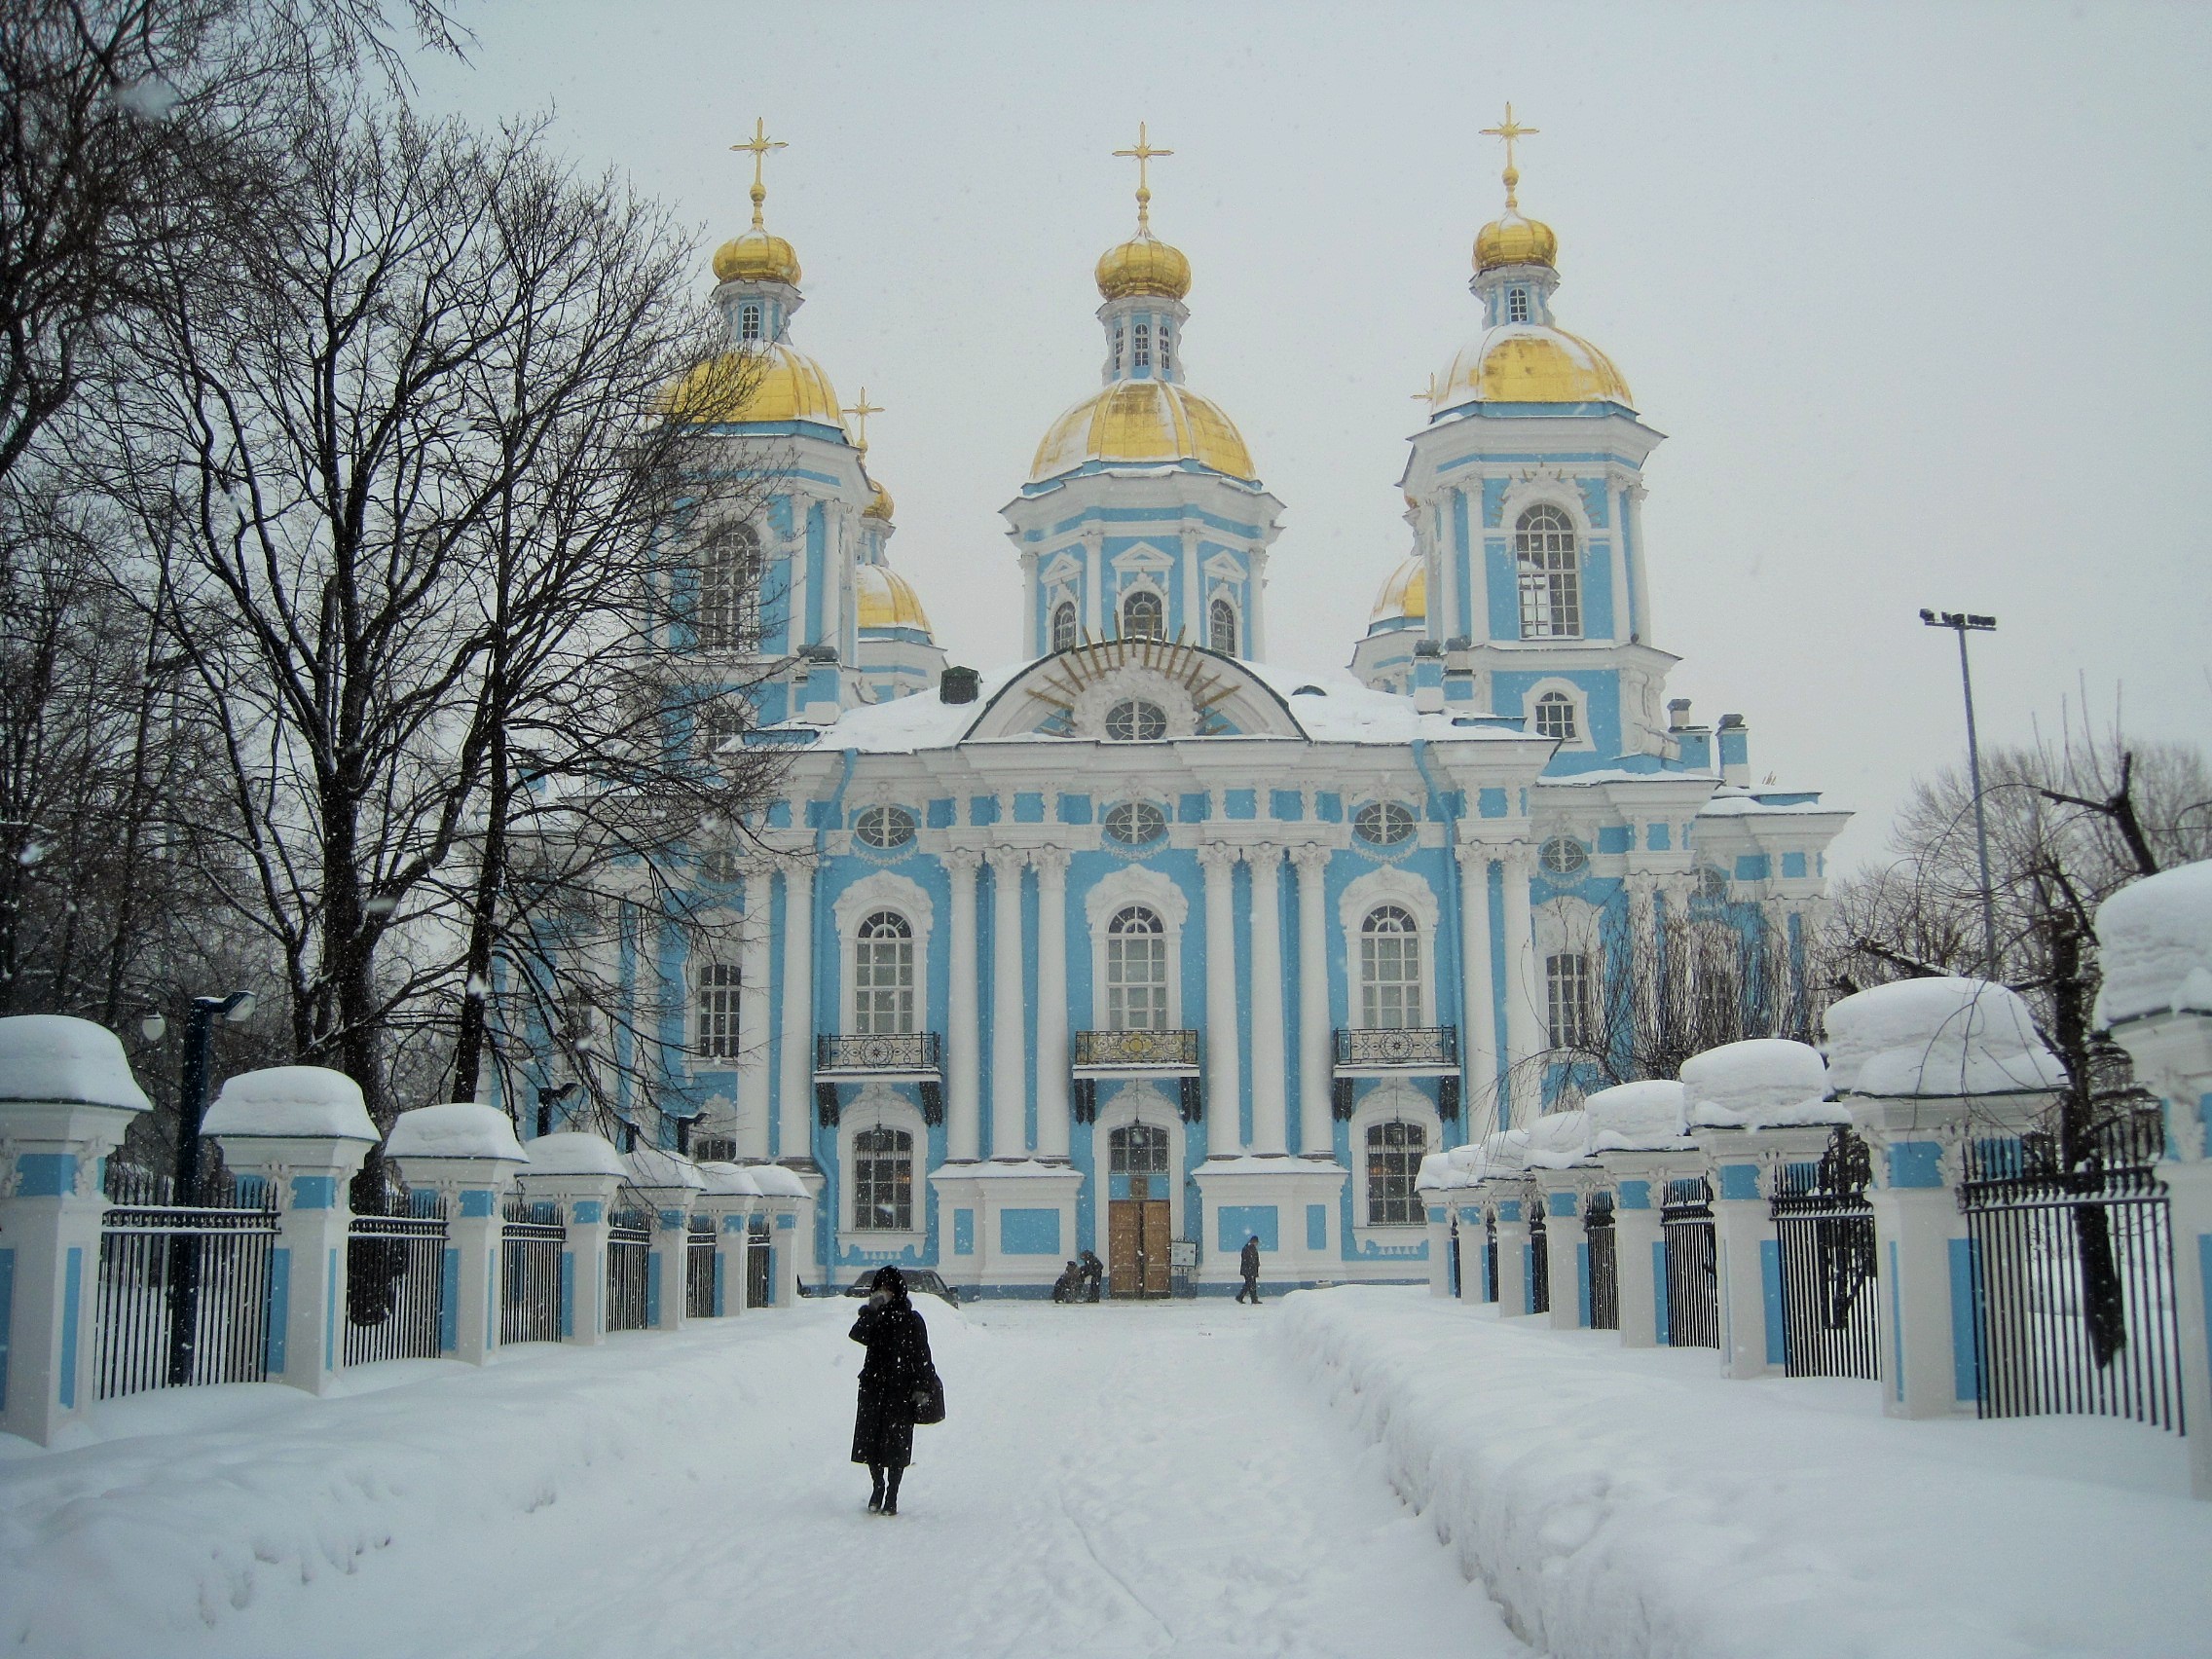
(1540, 1256)
(1831, 1295)
(530, 1237)
(1605, 1263)
(1693, 1297)
(1411, 1045)
(699, 1268)
(395, 1284)
(760, 1261)
(629, 1257)
(183, 1288)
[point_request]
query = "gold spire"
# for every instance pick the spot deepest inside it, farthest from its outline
(761, 144)
(1509, 132)
(860, 412)
(1143, 154)
(1144, 264)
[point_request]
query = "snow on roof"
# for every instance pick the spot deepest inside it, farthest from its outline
(651, 1167)
(2156, 938)
(777, 1181)
(1558, 1140)
(461, 1129)
(1940, 1037)
(1505, 1153)
(291, 1100)
(1637, 1116)
(1757, 1084)
(1437, 1173)
(730, 1181)
(1728, 805)
(52, 1057)
(574, 1152)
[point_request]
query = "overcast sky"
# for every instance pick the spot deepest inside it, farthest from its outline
(1918, 295)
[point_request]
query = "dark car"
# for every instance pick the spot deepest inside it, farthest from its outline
(920, 1281)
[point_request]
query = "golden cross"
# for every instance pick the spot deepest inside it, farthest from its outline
(761, 144)
(1428, 393)
(1143, 154)
(860, 412)
(1509, 132)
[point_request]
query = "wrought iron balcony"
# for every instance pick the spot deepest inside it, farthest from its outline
(882, 1054)
(1114, 1052)
(1422, 1049)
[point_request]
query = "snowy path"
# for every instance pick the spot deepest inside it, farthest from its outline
(1113, 1480)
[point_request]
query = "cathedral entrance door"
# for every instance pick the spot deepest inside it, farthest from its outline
(1138, 1222)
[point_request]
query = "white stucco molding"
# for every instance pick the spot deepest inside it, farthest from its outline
(1134, 884)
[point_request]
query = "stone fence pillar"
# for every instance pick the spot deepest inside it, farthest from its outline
(728, 1202)
(1434, 1207)
(1746, 1167)
(671, 1185)
(1640, 1239)
(469, 1156)
(579, 1173)
(66, 1097)
(304, 1130)
(1567, 1246)
(1475, 1287)
(1509, 1201)
(788, 1206)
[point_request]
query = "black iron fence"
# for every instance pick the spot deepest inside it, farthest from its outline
(396, 1283)
(1411, 1047)
(699, 1269)
(531, 1238)
(759, 1287)
(1605, 1263)
(1489, 1255)
(1137, 1047)
(1831, 1297)
(629, 1257)
(880, 1052)
(1540, 1257)
(1693, 1293)
(183, 1288)
(2074, 1284)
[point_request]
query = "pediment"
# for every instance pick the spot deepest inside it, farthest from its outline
(1200, 692)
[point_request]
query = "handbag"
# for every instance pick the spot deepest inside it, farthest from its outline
(929, 1398)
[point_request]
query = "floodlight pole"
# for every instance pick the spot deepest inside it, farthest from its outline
(1961, 623)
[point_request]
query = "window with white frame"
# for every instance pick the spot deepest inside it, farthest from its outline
(1394, 1150)
(1551, 581)
(883, 1181)
(1389, 969)
(1140, 351)
(1566, 997)
(1143, 616)
(1136, 824)
(1221, 627)
(1562, 856)
(1166, 351)
(1064, 627)
(1516, 305)
(748, 322)
(1136, 720)
(884, 827)
(883, 976)
(729, 588)
(1137, 971)
(716, 1014)
(1383, 823)
(1116, 367)
(1137, 1149)
(1555, 718)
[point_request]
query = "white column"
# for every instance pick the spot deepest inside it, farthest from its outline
(1315, 1040)
(963, 1046)
(1524, 1008)
(753, 1083)
(1269, 1107)
(1093, 584)
(834, 570)
(1051, 1002)
(1197, 627)
(1010, 1077)
(794, 562)
(1478, 1016)
(796, 1090)
(1223, 1084)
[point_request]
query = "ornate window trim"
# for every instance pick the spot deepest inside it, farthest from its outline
(882, 891)
(1554, 685)
(1396, 1099)
(882, 1105)
(1135, 884)
(1361, 899)
(1143, 1101)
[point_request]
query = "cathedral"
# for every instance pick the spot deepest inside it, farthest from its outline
(1147, 947)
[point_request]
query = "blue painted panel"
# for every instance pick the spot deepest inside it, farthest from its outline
(940, 812)
(653, 1290)
(1509, 1209)
(1770, 1285)
(1029, 1233)
(46, 1174)
(1492, 803)
(313, 1192)
(568, 1293)
(983, 809)
(72, 1303)
(590, 1213)
(1317, 1227)
(1191, 808)
(1241, 803)
(1029, 807)
(1965, 1317)
(448, 1310)
(1329, 806)
(1285, 806)
(779, 815)
(1075, 809)
(1793, 865)
(1739, 1180)
(1916, 1163)
(820, 815)
(1659, 1289)
(1754, 867)
(1615, 838)
(476, 1201)
(788, 1223)
(1658, 838)
(279, 1309)
(1636, 1194)
(1582, 1286)
(1236, 1222)
(1559, 1204)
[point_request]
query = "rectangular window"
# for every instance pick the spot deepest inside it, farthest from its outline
(1140, 355)
(1516, 305)
(1394, 1152)
(883, 1181)
(1566, 988)
(1136, 979)
(714, 1149)
(884, 987)
(1390, 974)
(748, 320)
(717, 1018)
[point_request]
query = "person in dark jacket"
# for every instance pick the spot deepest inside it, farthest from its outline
(1248, 1264)
(897, 1363)
(1093, 1275)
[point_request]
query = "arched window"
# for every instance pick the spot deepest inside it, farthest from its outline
(1137, 971)
(1516, 305)
(1389, 969)
(1394, 1150)
(1221, 627)
(716, 1016)
(1551, 582)
(1116, 367)
(883, 976)
(1142, 617)
(1555, 716)
(1138, 1149)
(1064, 627)
(729, 588)
(1140, 354)
(1566, 997)
(1166, 347)
(883, 1181)
(1136, 720)
(748, 322)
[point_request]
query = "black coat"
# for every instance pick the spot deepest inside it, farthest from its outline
(898, 1355)
(1249, 1262)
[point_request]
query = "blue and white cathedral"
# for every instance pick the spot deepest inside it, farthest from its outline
(1145, 947)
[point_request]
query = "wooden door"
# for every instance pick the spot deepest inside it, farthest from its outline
(1157, 1255)
(1124, 1247)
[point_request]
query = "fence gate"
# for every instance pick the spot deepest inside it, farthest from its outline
(184, 1288)
(530, 1273)
(1540, 1257)
(629, 1251)
(758, 1260)
(395, 1284)
(1489, 1254)
(1605, 1263)
(1693, 1295)
(1831, 1297)
(699, 1270)
(2074, 1284)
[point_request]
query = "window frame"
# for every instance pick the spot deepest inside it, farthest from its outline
(1384, 811)
(1222, 609)
(1134, 808)
(716, 1017)
(1547, 564)
(890, 816)
(1409, 986)
(1384, 1187)
(725, 612)
(1063, 638)
(867, 1164)
(1159, 969)
(890, 946)
(1570, 999)
(1153, 600)
(1142, 715)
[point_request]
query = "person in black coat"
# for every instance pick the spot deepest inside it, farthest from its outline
(897, 1363)
(1248, 1264)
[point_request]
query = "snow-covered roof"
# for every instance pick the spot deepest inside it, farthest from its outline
(1762, 1083)
(650, 1166)
(2156, 938)
(1939, 1037)
(1637, 1116)
(574, 1152)
(1558, 1140)
(461, 1129)
(730, 1181)
(777, 1181)
(291, 1101)
(1505, 1153)
(1730, 804)
(52, 1057)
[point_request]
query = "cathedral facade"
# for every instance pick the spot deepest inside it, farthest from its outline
(1148, 947)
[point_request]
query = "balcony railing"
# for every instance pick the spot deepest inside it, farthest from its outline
(909, 1053)
(1414, 1047)
(1137, 1051)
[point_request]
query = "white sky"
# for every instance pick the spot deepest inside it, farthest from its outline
(1917, 293)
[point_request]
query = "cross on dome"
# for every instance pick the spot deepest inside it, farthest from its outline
(1510, 131)
(760, 144)
(1142, 155)
(860, 412)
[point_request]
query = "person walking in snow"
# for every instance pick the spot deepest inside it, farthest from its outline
(1094, 1274)
(1248, 1264)
(896, 1367)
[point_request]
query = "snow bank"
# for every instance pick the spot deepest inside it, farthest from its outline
(573, 1152)
(777, 1181)
(652, 1168)
(51, 1056)
(460, 1129)
(1940, 1037)
(1558, 1140)
(2156, 943)
(291, 1101)
(730, 1181)
(1637, 1116)
(1633, 1504)
(1759, 1084)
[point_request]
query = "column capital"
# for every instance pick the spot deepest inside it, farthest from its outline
(1519, 857)
(1007, 861)
(1471, 854)
(1311, 856)
(1050, 863)
(1217, 858)
(1264, 855)
(964, 860)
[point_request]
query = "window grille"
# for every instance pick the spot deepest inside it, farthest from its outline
(1551, 581)
(883, 976)
(1566, 991)
(884, 827)
(883, 1181)
(1140, 351)
(1063, 628)
(1555, 716)
(1221, 629)
(1564, 855)
(717, 1021)
(1394, 1150)
(1516, 305)
(1136, 824)
(1116, 360)
(1166, 361)
(1136, 721)
(1137, 971)
(1143, 618)
(748, 320)
(714, 1149)
(1383, 823)
(1389, 971)
(1140, 1149)
(729, 588)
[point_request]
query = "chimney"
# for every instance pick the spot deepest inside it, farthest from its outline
(956, 685)
(1735, 750)
(1678, 713)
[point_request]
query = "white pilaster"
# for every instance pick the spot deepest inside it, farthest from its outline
(1093, 582)
(796, 1090)
(755, 1084)
(963, 1046)
(1270, 1108)
(1314, 1041)
(1009, 1076)
(1051, 864)
(1524, 991)
(1224, 1084)
(1478, 1016)
(1197, 625)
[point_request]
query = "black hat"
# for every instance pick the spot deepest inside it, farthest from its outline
(891, 1281)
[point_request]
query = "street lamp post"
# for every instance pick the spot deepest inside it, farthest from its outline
(191, 1107)
(1961, 623)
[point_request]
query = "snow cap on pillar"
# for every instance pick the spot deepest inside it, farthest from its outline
(1558, 1140)
(291, 1102)
(69, 1062)
(2154, 940)
(1762, 1083)
(651, 1167)
(777, 1181)
(574, 1152)
(1638, 1117)
(1938, 1037)
(461, 1129)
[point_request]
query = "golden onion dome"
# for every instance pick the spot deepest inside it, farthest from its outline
(1143, 265)
(756, 256)
(1404, 595)
(887, 599)
(758, 385)
(880, 504)
(1511, 239)
(1143, 421)
(1526, 362)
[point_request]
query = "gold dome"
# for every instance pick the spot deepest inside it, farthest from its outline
(756, 256)
(1515, 240)
(879, 505)
(784, 385)
(1144, 265)
(886, 600)
(1143, 421)
(1403, 595)
(1523, 363)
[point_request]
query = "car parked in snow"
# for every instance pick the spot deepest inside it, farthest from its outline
(920, 1281)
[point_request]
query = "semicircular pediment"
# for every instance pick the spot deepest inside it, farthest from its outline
(1193, 693)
